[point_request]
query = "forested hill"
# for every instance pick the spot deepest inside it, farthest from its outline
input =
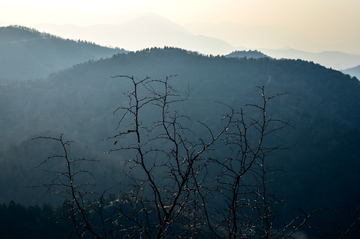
(321, 163)
(76, 98)
(27, 54)
(313, 89)
(248, 54)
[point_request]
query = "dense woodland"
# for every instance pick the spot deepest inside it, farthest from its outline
(319, 161)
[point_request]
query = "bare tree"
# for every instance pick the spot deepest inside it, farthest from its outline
(244, 180)
(172, 190)
(170, 164)
(174, 186)
(76, 193)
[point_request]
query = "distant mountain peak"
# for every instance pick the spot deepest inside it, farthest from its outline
(287, 48)
(152, 18)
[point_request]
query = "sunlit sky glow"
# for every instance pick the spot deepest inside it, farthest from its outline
(327, 21)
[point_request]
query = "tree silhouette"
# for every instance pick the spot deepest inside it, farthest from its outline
(179, 185)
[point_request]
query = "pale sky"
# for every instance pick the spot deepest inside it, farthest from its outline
(329, 21)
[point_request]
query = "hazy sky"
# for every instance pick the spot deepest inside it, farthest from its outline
(322, 20)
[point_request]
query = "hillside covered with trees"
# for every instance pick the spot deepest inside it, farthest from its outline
(319, 156)
(27, 54)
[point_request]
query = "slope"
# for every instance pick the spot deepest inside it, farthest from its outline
(321, 163)
(355, 71)
(26, 54)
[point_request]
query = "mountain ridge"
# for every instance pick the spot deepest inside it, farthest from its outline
(354, 71)
(331, 59)
(320, 104)
(160, 32)
(268, 36)
(145, 32)
(27, 54)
